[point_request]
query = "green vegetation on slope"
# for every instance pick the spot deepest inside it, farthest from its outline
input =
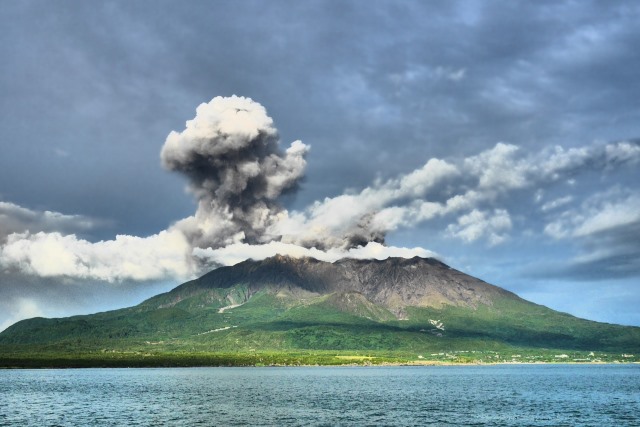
(218, 321)
(273, 329)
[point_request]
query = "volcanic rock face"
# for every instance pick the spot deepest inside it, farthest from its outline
(394, 283)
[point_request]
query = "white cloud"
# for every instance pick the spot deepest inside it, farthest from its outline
(162, 255)
(601, 212)
(556, 203)
(559, 162)
(239, 252)
(339, 221)
(605, 229)
(554, 163)
(622, 152)
(498, 169)
(608, 215)
(557, 229)
(475, 225)
(221, 125)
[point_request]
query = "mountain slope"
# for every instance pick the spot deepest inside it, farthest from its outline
(395, 283)
(283, 304)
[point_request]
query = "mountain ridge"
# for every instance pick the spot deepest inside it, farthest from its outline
(390, 282)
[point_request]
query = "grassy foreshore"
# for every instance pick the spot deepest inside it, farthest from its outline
(21, 358)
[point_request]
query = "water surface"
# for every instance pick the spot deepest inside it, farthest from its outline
(504, 395)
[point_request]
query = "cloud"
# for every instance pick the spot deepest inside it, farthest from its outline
(351, 220)
(558, 161)
(440, 188)
(498, 169)
(164, 255)
(623, 152)
(478, 224)
(557, 203)
(239, 252)
(17, 219)
(230, 152)
(600, 213)
(609, 215)
(505, 167)
(605, 229)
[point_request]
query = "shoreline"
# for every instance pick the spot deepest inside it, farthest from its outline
(27, 357)
(108, 364)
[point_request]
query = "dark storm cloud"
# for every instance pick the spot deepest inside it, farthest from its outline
(436, 77)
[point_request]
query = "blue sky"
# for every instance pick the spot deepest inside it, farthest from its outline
(502, 137)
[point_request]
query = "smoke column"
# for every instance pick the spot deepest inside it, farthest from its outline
(231, 155)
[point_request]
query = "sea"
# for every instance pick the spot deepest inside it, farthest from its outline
(497, 395)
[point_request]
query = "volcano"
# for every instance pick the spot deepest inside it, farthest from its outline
(283, 305)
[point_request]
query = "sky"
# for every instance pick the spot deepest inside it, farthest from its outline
(144, 143)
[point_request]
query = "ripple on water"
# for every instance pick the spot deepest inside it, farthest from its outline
(441, 396)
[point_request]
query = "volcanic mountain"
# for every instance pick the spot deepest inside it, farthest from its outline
(287, 304)
(392, 285)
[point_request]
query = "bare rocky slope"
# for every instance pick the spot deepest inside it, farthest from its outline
(394, 283)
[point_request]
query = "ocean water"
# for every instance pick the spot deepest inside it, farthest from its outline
(502, 395)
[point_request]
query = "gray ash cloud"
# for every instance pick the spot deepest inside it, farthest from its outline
(231, 154)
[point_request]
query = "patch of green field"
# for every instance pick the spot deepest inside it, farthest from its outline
(39, 357)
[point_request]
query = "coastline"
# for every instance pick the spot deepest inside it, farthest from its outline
(169, 360)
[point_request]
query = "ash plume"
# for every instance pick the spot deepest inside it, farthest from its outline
(230, 153)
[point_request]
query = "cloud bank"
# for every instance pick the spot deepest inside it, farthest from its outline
(238, 252)
(164, 255)
(237, 171)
